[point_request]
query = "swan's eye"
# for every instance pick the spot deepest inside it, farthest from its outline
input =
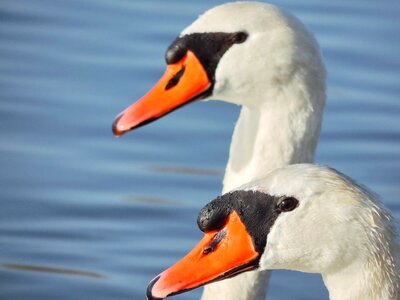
(240, 37)
(288, 204)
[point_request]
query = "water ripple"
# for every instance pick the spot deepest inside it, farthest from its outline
(73, 195)
(46, 269)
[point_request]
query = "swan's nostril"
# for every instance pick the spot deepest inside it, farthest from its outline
(207, 250)
(175, 80)
(215, 242)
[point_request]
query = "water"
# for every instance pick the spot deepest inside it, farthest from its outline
(87, 216)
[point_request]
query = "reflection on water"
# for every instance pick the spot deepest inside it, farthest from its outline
(87, 216)
(151, 200)
(51, 270)
(186, 170)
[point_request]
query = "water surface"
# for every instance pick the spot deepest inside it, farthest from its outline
(87, 216)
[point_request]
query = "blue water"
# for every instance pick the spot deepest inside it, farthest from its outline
(87, 216)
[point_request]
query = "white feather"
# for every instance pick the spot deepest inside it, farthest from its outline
(278, 77)
(339, 229)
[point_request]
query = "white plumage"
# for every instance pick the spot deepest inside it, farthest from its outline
(301, 217)
(278, 77)
(339, 230)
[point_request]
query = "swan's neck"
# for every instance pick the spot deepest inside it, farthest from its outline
(272, 136)
(246, 286)
(375, 275)
(281, 133)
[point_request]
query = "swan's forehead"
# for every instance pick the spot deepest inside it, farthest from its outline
(303, 181)
(238, 16)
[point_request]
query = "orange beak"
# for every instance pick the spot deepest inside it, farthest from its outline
(182, 82)
(219, 255)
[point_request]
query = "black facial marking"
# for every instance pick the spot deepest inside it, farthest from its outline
(176, 51)
(174, 80)
(240, 37)
(213, 216)
(258, 211)
(208, 47)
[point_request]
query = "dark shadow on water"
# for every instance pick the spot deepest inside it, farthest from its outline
(186, 170)
(151, 200)
(45, 269)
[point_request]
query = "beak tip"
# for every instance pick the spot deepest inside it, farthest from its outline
(117, 132)
(149, 290)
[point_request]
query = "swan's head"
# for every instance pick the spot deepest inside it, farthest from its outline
(242, 52)
(303, 217)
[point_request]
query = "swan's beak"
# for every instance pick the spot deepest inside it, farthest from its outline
(182, 82)
(219, 255)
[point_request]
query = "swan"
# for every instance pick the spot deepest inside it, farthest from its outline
(302, 217)
(264, 59)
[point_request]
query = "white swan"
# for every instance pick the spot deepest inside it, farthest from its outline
(255, 55)
(302, 217)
